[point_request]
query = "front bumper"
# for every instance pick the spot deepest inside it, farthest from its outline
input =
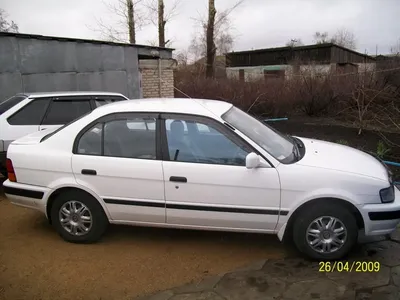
(381, 219)
(25, 195)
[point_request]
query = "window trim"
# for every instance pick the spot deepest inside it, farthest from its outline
(30, 102)
(118, 116)
(224, 128)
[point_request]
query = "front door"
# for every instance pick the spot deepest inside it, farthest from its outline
(207, 183)
(116, 158)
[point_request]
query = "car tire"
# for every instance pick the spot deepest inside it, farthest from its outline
(86, 221)
(310, 220)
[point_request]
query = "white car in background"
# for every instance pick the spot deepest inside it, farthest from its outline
(200, 164)
(26, 113)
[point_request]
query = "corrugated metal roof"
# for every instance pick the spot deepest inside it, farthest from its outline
(77, 40)
(315, 46)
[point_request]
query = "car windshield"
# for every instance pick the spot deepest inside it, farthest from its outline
(275, 143)
(10, 102)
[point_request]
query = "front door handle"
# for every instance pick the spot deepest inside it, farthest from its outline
(178, 179)
(88, 172)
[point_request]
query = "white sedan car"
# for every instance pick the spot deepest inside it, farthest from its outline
(200, 164)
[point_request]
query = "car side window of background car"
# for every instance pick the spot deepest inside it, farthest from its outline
(90, 141)
(130, 138)
(30, 114)
(100, 101)
(62, 112)
(203, 143)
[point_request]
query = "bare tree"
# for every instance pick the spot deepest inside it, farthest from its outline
(211, 49)
(130, 19)
(5, 25)
(294, 43)
(182, 58)
(321, 37)
(345, 38)
(395, 49)
(223, 37)
(342, 37)
(160, 15)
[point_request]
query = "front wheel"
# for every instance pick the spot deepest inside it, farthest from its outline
(325, 231)
(78, 217)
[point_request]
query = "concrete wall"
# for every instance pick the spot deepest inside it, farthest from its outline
(257, 72)
(38, 65)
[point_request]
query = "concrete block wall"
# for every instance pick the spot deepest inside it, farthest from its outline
(39, 65)
(154, 85)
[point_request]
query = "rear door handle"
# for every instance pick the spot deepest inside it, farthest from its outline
(88, 172)
(178, 179)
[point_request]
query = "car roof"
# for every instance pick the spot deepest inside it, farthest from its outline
(168, 105)
(71, 93)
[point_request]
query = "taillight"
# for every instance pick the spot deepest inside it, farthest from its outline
(10, 171)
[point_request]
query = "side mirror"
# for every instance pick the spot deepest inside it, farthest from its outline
(252, 161)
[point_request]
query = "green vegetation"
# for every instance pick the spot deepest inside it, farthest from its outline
(382, 149)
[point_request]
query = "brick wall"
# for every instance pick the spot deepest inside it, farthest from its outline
(151, 81)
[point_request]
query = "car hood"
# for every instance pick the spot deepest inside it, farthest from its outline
(33, 138)
(321, 154)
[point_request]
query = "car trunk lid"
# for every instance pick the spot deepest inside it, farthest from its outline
(33, 138)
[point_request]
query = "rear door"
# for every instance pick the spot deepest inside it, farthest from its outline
(117, 158)
(63, 110)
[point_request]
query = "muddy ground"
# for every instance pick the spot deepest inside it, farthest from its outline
(130, 261)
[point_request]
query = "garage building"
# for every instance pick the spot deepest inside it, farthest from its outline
(36, 63)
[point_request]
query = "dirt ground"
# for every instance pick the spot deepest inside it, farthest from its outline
(35, 263)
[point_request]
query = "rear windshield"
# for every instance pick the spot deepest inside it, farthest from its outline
(10, 102)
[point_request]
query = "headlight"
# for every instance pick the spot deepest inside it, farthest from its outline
(387, 195)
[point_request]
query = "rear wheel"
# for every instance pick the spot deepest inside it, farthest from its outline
(78, 217)
(325, 231)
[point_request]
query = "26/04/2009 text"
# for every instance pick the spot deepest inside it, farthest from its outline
(346, 266)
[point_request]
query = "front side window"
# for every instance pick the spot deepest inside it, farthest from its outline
(62, 112)
(127, 137)
(270, 140)
(30, 114)
(202, 142)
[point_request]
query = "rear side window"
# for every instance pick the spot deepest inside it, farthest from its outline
(90, 142)
(10, 102)
(30, 114)
(127, 137)
(62, 112)
(100, 101)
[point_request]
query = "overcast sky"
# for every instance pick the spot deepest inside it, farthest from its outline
(256, 24)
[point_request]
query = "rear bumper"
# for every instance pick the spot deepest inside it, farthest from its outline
(25, 195)
(382, 218)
